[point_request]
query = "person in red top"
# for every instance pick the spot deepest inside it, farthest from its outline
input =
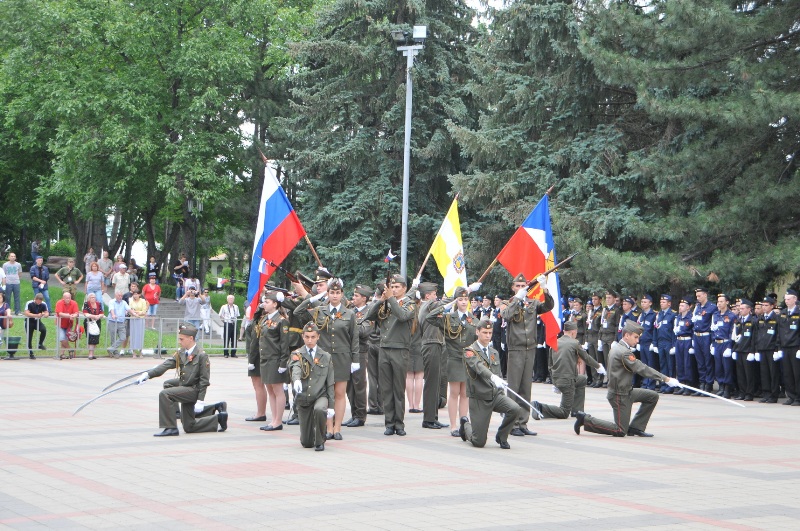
(152, 294)
(67, 313)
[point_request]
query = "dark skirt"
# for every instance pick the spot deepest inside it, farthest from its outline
(415, 360)
(341, 367)
(270, 374)
(456, 372)
(93, 340)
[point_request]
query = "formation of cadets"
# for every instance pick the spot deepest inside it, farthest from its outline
(329, 347)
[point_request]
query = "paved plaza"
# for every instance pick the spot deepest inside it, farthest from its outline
(710, 465)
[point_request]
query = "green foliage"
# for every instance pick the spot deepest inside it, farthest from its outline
(63, 248)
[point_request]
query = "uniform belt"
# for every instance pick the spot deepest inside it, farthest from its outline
(294, 329)
(684, 338)
(721, 340)
(701, 333)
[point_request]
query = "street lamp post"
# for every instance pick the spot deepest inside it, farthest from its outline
(409, 51)
(195, 207)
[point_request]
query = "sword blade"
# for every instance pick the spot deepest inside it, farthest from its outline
(712, 395)
(134, 375)
(533, 408)
(102, 395)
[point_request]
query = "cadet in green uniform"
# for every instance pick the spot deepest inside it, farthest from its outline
(338, 337)
(312, 379)
(484, 388)
(296, 323)
(188, 389)
(564, 373)
(272, 331)
(520, 316)
(375, 407)
(253, 366)
(395, 315)
(357, 386)
(609, 322)
(458, 325)
(592, 337)
(622, 365)
(432, 353)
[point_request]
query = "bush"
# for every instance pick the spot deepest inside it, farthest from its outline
(63, 248)
(167, 290)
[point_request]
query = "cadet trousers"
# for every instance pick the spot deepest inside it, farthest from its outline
(432, 365)
(592, 351)
(651, 360)
(480, 415)
(702, 355)
(683, 365)
(666, 360)
(520, 368)
(622, 406)
(573, 396)
(357, 388)
(374, 398)
(770, 375)
(443, 378)
(392, 369)
(791, 373)
(724, 368)
(313, 419)
(746, 374)
(186, 397)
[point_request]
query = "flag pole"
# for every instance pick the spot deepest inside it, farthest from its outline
(491, 266)
(425, 262)
(313, 251)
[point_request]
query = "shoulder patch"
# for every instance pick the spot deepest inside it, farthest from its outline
(468, 353)
(631, 358)
(295, 357)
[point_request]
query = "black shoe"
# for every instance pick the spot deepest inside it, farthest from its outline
(372, 411)
(328, 436)
(234, 356)
(430, 425)
(526, 431)
(400, 431)
(573, 414)
(748, 398)
(256, 419)
(222, 418)
(357, 423)
(538, 406)
(667, 390)
(270, 427)
(455, 433)
(31, 356)
(415, 410)
(347, 423)
(294, 421)
(638, 433)
(225, 356)
(580, 417)
(287, 406)
(516, 432)
(788, 402)
(42, 347)
(441, 424)
(320, 448)
(771, 401)
(442, 402)
(739, 397)
(763, 401)
(796, 403)
(503, 444)
(388, 431)
(462, 432)
(337, 436)
(221, 407)
(168, 432)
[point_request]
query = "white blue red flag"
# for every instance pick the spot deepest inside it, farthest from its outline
(278, 231)
(389, 257)
(531, 251)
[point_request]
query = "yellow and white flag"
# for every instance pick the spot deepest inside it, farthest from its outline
(448, 251)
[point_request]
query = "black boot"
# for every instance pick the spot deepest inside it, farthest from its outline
(726, 393)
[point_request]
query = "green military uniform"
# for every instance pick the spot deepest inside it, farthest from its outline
(357, 386)
(432, 354)
(522, 341)
(338, 335)
(251, 345)
(193, 378)
(564, 374)
(272, 332)
(70, 276)
(459, 333)
(622, 365)
(591, 337)
(374, 404)
(484, 397)
(315, 372)
(609, 321)
(396, 318)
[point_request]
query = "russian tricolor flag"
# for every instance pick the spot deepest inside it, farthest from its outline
(531, 251)
(278, 231)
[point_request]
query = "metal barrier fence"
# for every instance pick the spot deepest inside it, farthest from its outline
(158, 340)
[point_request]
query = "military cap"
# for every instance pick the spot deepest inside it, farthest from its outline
(589, 303)
(310, 327)
(570, 298)
(746, 302)
(757, 303)
(380, 286)
(611, 292)
(631, 327)
(577, 299)
(768, 300)
(687, 300)
(335, 285)
(322, 275)
(427, 287)
(666, 297)
(724, 296)
(460, 291)
(570, 325)
(701, 289)
(478, 298)
(397, 278)
(484, 324)
(629, 300)
(648, 297)
(519, 278)
(273, 296)
(363, 290)
(791, 292)
(187, 329)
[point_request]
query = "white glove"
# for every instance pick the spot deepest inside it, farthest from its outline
(758, 356)
(696, 317)
(672, 351)
(298, 386)
(672, 382)
(317, 297)
(735, 338)
(279, 296)
(503, 347)
(654, 348)
(636, 348)
(585, 346)
(498, 382)
(542, 280)
(691, 350)
(751, 357)
(415, 283)
(777, 355)
(331, 413)
(251, 367)
(733, 355)
(281, 370)
(449, 305)
(142, 378)
(601, 370)
(199, 406)
(556, 390)
(521, 293)
(797, 355)
(599, 346)
(354, 367)
(712, 350)
(475, 286)
(727, 353)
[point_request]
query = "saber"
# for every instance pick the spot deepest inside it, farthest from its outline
(134, 375)
(102, 395)
(533, 408)
(712, 395)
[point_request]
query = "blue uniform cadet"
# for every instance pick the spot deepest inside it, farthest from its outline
(648, 355)
(664, 339)
(722, 322)
(701, 317)
(684, 353)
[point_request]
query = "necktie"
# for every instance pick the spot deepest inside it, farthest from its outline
(311, 352)
(486, 352)
(464, 319)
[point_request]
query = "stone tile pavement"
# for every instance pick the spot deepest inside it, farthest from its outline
(711, 465)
